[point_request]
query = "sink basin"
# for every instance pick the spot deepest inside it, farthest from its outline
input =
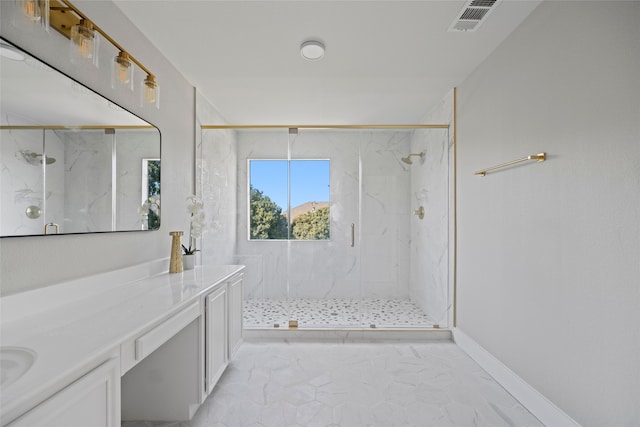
(14, 363)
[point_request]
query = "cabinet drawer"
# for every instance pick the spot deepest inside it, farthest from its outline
(147, 343)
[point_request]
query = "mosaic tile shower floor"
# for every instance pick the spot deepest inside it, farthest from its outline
(335, 313)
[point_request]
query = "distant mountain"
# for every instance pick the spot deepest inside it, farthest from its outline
(306, 207)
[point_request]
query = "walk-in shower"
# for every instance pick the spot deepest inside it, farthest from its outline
(377, 266)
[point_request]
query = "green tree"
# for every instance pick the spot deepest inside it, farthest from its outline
(153, 184)
(313, 225)
(266, 219)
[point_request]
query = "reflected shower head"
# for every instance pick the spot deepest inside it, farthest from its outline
(35, 158)
(408, 160)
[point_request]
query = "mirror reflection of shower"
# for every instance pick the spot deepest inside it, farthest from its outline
(408, 160)
(36, 159)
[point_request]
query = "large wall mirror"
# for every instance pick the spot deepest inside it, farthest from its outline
(72, 161)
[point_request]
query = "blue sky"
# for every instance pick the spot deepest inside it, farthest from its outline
(309, 180)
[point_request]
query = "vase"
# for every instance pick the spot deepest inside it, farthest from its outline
(175, 262)
(188, 261)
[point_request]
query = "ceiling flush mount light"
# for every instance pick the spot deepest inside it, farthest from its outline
(312, 50)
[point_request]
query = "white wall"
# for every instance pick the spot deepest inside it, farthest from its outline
(32, 262)
(548, 254)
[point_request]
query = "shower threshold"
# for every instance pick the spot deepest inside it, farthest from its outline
(335, 314)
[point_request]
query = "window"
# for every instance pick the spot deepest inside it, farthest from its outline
(289, 199)
(151, 193)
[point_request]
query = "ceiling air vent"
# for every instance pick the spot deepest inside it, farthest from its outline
(473, 14)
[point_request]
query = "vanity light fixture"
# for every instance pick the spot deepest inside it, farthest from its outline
(123, 70)
(34, 12)
(150, 90)
(83, 41)
(84, 37)
(31, 10)
(312, 50)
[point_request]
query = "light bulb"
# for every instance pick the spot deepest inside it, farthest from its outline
(31, 10)
(123, 70)
(82, 39)
(150, 90)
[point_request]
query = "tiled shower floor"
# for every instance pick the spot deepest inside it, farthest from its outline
(334, 313)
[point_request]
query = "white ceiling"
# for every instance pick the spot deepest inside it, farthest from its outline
(385, 61)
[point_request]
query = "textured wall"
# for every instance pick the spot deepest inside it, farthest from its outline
(548, 254)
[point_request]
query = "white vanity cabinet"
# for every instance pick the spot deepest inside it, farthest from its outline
(223, 329)
(92, 400)
(133, 344)
(235, 297)
(216, 336)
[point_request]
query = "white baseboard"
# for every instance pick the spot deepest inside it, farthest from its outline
(541, 407)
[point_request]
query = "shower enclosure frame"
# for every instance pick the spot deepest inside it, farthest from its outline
(451, 232)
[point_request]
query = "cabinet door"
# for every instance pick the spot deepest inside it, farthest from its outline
(216, 337)
(93, 400)
(235, 315)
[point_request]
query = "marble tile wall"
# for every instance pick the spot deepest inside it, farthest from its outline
(216, 176)
(379, 262)
(132, 147)
(431, 178)
(87, 200)
(22, 178)
(88, 178)
(385, 224)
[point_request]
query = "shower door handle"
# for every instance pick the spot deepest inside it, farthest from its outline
(353, 235)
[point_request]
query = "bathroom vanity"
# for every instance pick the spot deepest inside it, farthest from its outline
(137, 343)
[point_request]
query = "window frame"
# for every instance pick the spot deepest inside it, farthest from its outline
(286, 209)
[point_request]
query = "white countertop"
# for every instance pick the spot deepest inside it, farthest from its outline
(74, 327)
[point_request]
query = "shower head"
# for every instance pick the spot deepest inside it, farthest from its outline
(36, 159)
(408, 160)
(49, 160)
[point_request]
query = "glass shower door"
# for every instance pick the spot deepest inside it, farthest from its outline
(385, 229)
(405, 254)
(324, 268)
(261, 158)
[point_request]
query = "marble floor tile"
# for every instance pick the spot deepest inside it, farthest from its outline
(335, 313)
(353, 384)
